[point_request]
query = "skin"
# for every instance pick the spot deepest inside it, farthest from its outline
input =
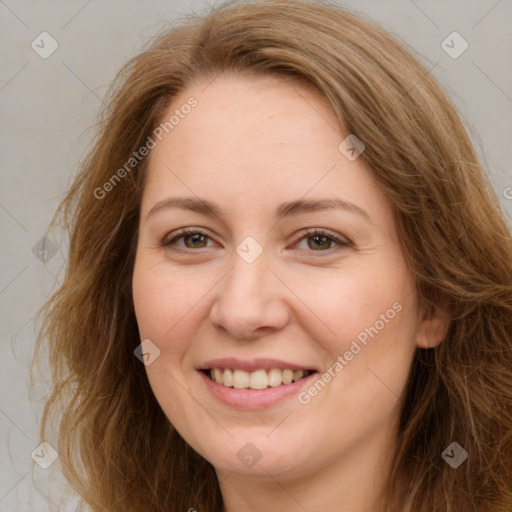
(250, 145)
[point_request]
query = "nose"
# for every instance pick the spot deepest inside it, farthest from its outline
(250, 301)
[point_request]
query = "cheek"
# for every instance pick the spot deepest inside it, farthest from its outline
(162, 298)
(370, 341)
(357, 302)
(164, 307)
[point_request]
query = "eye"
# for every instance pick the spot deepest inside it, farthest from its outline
(321, 240)
(192, 238)
(318, 240)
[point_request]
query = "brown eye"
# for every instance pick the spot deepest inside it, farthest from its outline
(196, 240)
(319, 242)
(192, 239)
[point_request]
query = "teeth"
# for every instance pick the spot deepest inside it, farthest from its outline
(217, 376)
(259, 379)
(240, 379)
(297, 375)
(227, 378)
(275, 377)
(287, 376)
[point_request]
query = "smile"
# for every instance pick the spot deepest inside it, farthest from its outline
(259, 379)
(254, 384)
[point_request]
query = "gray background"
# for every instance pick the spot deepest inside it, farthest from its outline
(48, 110)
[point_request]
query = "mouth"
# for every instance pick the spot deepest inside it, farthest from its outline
(259, 379)
(254, 384)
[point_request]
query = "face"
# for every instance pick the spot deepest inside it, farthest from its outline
(268, 281)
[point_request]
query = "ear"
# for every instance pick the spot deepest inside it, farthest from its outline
(432, 328)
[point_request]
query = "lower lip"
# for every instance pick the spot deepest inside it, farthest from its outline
(253, 398)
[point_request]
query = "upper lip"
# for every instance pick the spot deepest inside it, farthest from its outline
(252, 365)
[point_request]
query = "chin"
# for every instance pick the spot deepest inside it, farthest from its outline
(261, 457)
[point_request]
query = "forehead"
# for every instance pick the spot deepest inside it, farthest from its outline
(253, 116)
(255, 140)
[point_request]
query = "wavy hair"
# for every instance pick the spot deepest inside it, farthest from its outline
(116, 446)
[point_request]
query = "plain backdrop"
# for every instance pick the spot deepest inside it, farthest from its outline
(48, 111)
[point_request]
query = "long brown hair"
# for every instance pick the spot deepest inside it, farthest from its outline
(116, 446)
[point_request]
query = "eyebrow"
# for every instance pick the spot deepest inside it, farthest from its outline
(299, 206)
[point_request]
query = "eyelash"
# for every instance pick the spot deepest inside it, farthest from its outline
(311, 233)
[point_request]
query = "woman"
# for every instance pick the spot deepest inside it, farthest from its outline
(289, 282)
